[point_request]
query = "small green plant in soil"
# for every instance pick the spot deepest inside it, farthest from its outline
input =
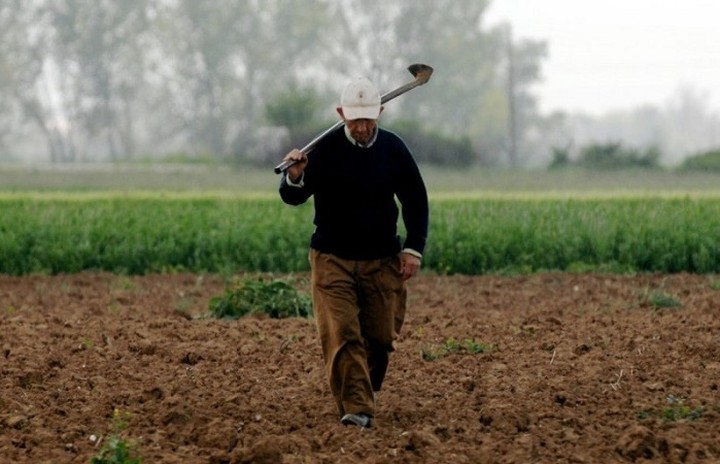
(451, 346)
(275, 298)
(658, 299)
(676, 410)
(681, 412)
(117, 450)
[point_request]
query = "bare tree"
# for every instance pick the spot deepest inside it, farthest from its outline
(99, 61)
(26, 85)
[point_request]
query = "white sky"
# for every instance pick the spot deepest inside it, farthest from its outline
(618, 54)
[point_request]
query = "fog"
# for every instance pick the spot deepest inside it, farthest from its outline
(616, 54)
(241, 81)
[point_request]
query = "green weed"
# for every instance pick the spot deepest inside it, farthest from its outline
(473, 347)
(184, 305)
(659, 299)
(275, 298)
(471, 234)
(681, 412)
(117, 450)
(122, 283)
(675, 411)
(451, 345)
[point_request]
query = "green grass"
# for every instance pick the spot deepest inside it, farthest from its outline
(117, 449)
(676, 410)
(142, 233)
(275, 298)
(453, 346)
(617, 235)
(658, 299)
(138, 218)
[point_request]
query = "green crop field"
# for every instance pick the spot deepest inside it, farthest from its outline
(474, 236)
(144, 232)
(142, 219)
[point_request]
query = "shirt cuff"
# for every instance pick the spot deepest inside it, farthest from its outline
(298, 184)
(412, 252)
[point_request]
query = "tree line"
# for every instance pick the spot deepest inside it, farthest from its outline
(84, 80)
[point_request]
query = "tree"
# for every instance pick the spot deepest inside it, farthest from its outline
(98, 45)
(469, 89)
(118, 78)
(229, 57)
(523, 70)
(689, 126)
(29, 90)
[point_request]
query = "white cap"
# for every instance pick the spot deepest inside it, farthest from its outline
(360, 100)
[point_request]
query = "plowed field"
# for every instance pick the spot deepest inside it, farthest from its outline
(576, 369)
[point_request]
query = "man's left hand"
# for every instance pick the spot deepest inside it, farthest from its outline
(409, 265)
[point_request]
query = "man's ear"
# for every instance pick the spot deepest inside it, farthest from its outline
(340, 112)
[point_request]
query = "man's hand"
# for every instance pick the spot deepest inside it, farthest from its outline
(409, 265)
(295, 171)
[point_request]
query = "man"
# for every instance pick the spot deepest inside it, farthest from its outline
(359, 268)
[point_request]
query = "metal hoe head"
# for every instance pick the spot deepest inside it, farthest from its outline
(422, 72)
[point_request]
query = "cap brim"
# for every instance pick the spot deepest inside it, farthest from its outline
(361, 112)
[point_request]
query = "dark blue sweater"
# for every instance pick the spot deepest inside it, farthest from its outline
(354, 191)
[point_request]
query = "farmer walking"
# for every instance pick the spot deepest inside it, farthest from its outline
(359, 265)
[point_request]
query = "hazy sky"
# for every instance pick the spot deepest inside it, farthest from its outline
(616, 54)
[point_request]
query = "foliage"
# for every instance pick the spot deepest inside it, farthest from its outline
(299, 137)
(117, 450)
(707, 162)
(294, 108)
(198, 74)
(681, 412)
(560, 158)
(676, 410)
(276, 298)
(433, 147)
(658, 299)
(452, 346)
(618, 235)
(138, 235)
(612, 155)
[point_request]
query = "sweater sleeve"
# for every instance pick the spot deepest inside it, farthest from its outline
(296, 194)
(413, 198)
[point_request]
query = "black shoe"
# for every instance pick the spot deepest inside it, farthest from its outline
(361, 420)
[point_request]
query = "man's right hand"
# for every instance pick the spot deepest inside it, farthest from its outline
(295, 171)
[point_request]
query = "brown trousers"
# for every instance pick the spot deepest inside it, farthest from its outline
(359, 308)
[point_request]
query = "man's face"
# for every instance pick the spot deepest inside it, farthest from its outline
(361, 130)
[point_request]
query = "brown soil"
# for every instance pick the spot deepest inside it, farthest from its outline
(582, 369)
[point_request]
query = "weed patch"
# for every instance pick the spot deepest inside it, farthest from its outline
(659, 299)
(451, 346)
(676, 410)
(275, 298)
(117, 449)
